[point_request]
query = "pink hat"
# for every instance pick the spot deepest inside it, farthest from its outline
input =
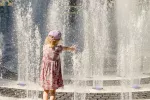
(56, 34)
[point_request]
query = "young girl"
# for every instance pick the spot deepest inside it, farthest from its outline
(51, 76)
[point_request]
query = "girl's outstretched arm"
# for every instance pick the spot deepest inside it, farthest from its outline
(72, 48)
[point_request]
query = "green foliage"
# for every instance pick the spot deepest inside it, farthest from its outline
(6, 2)
(10, 1)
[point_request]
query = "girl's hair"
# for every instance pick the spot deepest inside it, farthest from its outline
(47, 40)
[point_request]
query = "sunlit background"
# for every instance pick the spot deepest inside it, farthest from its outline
(112, 39)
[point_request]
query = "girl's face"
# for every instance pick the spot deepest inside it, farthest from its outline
(53, 41)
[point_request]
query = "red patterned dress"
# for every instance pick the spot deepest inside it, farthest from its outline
(51, 76)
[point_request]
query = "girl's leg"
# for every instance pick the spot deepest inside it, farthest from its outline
(45, 94)
(52, 94)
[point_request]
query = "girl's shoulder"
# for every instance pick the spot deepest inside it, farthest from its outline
(45, 46)
(59, 48)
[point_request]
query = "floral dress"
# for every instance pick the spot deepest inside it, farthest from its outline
(51, 76)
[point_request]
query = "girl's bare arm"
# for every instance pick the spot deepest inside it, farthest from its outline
(72, 48)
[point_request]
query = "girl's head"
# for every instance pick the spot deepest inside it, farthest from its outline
(53, 38)
(55, 34)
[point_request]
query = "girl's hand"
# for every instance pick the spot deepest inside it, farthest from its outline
(72, 48)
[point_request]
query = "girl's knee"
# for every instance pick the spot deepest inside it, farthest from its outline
(52, 92)
(47, 91)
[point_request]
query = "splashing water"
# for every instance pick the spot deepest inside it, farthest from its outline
(29, 41)
(95, 42)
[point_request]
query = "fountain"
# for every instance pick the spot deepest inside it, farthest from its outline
(112, 58)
